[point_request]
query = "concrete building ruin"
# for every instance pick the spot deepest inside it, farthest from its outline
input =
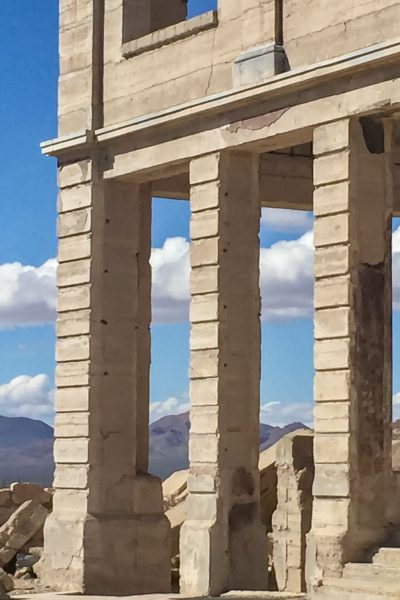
(278, 103)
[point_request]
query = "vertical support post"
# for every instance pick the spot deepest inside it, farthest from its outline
(223, 544)
(107, 533)
(291, 520)
(353, 394)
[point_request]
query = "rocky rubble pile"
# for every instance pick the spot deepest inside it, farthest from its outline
(23, 511)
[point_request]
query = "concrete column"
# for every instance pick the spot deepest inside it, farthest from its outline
(353, 393)
(223, 545)
(107, 534)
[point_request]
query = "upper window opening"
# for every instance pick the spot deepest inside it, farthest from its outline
(198, 7)
(142, 17)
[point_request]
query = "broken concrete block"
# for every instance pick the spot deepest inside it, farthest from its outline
(174, 488)
(20, 527)
(6, 582)
(176, 516)
(5, 497)
(21, 492)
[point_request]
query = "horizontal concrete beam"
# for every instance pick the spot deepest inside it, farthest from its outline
(295, 82)
(286, 182)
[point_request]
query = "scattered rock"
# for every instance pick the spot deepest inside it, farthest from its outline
(6, 582)
(5, 514)
(5, 497)
(21, 492)
(174, 487)
(20, 528)
(24, 573)
(176, 516)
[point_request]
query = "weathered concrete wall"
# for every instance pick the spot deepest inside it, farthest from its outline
(184, 69)
(80, 48)
(101, 83)
(321, 29)
(292, 519)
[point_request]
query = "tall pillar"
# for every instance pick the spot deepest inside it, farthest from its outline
(107, 533)
(353, 392)
(223, 544)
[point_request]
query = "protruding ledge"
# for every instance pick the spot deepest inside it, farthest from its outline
(170, 34)
(62, 144)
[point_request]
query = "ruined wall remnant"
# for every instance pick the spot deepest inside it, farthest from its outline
(292, 519)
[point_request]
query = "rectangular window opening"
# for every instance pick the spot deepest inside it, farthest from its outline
(141, 18)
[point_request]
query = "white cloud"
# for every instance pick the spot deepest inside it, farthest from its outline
(286, 278)
(26, 396)
(284, 220)
(279, 414)
(170, 406)
(396, 406)
(27, 294)
(170, 288)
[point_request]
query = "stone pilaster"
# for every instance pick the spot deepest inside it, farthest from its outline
(223, 545)
(107, 534)
(353, 209)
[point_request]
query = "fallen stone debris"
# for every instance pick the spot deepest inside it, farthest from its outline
(24, 508)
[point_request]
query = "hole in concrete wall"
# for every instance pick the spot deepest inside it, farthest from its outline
(198, 7)
(141, 17)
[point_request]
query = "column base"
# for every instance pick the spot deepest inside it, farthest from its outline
(215, 561)
(108, 555)
(328, 552)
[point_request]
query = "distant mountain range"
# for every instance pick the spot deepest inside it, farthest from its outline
(169, 442)
(26, 447)
(26, 451)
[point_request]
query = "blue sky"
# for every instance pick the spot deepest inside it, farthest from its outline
(28, 67)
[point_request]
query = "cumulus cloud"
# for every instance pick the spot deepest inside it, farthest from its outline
(26, 396)
(170, 286)
(170, 406)
(279, 414)
(284, 220)
(27, 294)
(396, 406)
(286, 279)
